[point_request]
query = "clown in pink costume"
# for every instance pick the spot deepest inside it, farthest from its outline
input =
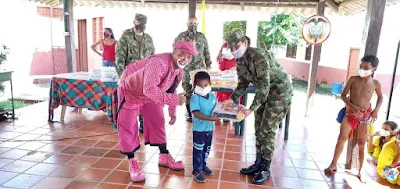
(146, 87)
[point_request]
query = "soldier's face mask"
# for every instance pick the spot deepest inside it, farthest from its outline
(140, 27)
(192, 26)
(239, 52)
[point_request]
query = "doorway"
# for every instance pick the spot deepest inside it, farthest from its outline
(352, 67)
(82, 55)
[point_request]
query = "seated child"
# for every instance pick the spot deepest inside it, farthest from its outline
(389, 156)
(359, 112)
(202, 105)
(378, 139)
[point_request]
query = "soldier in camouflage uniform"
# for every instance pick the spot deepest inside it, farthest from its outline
(133, 46)
(202, 60)
(272, 100)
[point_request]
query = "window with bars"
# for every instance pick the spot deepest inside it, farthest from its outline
(308, 52)
(97, 29)
(291, 51)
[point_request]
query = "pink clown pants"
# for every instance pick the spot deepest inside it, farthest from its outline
(154, 123)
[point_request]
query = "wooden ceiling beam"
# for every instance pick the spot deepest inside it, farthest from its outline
(333, 5)
(266, 1)
(227, 1)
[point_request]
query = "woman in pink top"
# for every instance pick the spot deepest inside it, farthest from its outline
(146, 87)
(108, 45)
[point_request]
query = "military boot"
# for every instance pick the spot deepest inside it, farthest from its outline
(264, 173)
(253, 168)
(189, 114)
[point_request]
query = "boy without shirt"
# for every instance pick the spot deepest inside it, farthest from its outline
(358, 109)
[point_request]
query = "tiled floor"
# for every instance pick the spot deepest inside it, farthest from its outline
(95, 162)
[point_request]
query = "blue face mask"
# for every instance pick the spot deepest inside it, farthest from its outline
(239, 52)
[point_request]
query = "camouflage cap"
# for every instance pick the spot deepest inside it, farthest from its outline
(234, 38)
(141, 18)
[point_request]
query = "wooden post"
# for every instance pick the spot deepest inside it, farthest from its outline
(192, 8)
(312, 78)
(69, 35)
(372, 32)
(373, 25)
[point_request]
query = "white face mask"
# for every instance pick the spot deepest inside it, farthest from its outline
(364, 73)
(202, 91)
(181, 64)
(227, 54)
(239, 52)
(384, 133)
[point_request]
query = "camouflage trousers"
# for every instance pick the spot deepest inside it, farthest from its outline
(267, 119)
(186, 84)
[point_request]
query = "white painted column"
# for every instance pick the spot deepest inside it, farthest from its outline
(252, 29)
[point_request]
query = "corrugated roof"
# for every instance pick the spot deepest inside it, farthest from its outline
(345, 7)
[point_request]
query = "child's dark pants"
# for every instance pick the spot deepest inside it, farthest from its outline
(201, 150)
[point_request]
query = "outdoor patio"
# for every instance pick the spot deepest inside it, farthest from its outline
(95, 162)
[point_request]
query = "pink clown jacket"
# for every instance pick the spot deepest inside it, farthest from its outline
(149, 79)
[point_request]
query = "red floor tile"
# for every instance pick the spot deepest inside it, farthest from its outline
(105, 144)
(233, 165)
(81, 185)
(230, 185)
(95, 175)
(52, 183)
(106, 163)
(85, 142)
(233, 176)
(59, 159)
(96, 162)
(176, 182)
(110, 186)
(120, 177)
(210, 184)
(67, 172)
(73, 150)
(97, 152)
(51, 148)
(83, 161)
(235, 156)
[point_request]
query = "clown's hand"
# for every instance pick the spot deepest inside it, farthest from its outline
(172, 121)
(182, 98)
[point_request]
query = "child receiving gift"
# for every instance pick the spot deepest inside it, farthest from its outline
(202, 105)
